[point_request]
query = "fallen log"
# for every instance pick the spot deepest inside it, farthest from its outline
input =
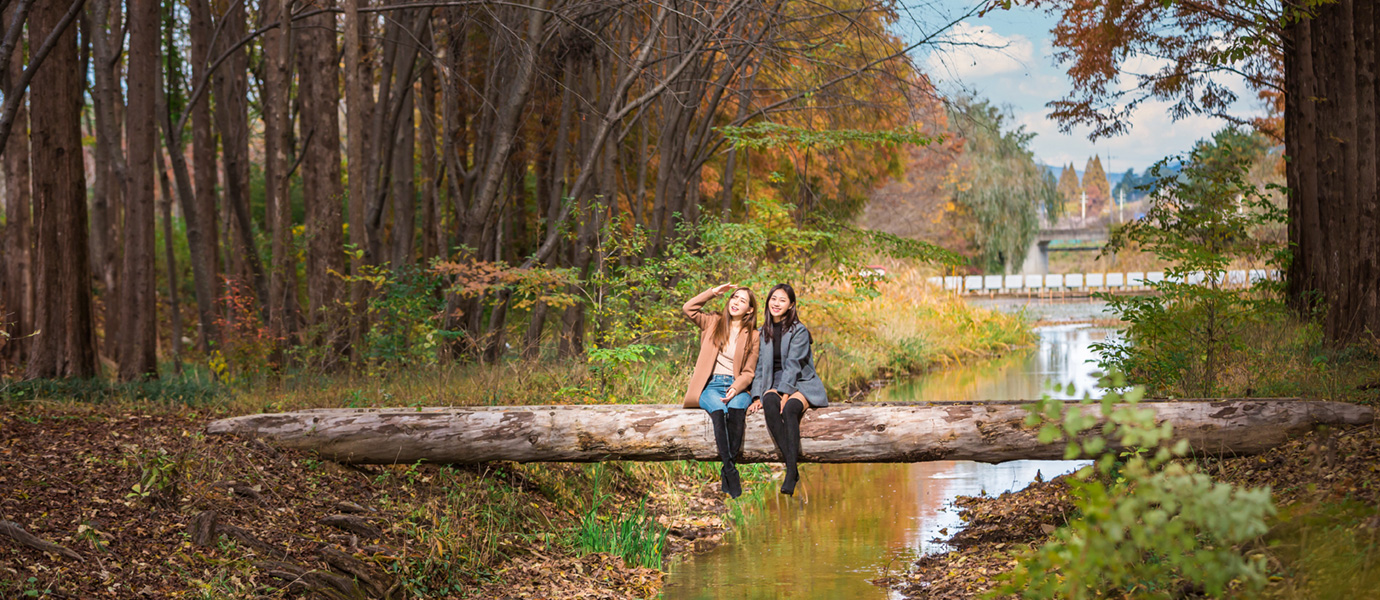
(858, 432)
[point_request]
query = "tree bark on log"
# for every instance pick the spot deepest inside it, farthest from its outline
(889, 432)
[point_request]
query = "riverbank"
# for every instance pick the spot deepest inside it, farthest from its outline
(145, 505)
(1321, 544)
(122, 476)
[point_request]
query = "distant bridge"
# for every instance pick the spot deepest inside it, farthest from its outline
(1089, 282)
(1077, 236)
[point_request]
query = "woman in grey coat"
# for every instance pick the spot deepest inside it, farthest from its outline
(786, 384)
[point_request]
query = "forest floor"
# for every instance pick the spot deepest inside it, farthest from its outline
(1323, 543)
(147, 506)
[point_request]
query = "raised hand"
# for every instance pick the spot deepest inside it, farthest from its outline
(723, 289)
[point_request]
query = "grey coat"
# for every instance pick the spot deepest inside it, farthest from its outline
(797, 367)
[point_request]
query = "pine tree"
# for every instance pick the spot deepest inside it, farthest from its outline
(1095, 184)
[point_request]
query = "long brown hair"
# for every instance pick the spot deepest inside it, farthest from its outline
(749, 319)
(788, 320)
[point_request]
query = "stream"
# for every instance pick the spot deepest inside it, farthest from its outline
(849, 523)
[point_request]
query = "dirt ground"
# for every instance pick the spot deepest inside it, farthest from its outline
(102, 505)
(1324, 468)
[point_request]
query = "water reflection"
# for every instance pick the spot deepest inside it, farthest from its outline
(1062, 355)
(850, 523)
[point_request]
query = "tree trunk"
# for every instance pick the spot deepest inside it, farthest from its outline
(207, 256)
(509, 100)
(138, 346)
(201, 257)
(358, 108)
(318, 92)
(404, 192)
(108, 106)
(1330, 133)
(231, 86)
(16, 296)
(433, 238)
(857, 433)
(105, 181)
(174, 300)
(395, 93)
(62, 274)
(282, 304)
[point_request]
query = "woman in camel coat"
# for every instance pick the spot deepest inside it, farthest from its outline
(723, 371)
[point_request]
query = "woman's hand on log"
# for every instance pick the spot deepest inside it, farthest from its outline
(755, 406)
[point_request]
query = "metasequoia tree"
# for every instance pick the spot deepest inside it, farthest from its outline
(1095, 185)
(206, 264)
(322, 191)
(111, 172)
(231, 84)
(137, 348)
(511, 137)
(65, 343)
(16, 244)
(1070, 189)
(1317, 55)
(282, 302)
(1330, 126)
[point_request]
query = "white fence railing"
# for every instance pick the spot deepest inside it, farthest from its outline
(1083, 282)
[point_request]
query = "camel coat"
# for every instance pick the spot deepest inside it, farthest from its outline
(744, 357)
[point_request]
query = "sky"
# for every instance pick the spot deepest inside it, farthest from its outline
(1008, 58)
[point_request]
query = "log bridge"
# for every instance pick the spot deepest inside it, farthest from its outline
(857, 432)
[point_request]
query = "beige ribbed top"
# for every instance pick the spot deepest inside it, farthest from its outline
(723, 363)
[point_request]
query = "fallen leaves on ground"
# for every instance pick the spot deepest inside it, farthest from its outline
(127, 492)
(595, 576)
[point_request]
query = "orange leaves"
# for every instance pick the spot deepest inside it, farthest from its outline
(470, 279)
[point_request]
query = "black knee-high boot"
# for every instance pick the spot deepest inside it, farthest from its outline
(791, 415)
(771, 411)
(737, 427)
(728, 473)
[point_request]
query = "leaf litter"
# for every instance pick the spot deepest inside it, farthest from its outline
(155, 509)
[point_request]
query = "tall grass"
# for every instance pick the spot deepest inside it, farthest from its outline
(908, 326)
(635, 536)
(1325, 552)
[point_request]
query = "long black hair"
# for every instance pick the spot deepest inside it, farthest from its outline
(788, 320)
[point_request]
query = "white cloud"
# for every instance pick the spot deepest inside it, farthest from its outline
(1153, 135)
(974, 51)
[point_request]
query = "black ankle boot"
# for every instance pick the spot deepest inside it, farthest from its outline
(730, 483)
(737, 427)
(791, 445)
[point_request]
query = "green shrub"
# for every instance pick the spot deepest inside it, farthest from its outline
(1148, 526)
(1203, 219)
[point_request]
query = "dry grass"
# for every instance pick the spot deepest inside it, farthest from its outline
(906, 327)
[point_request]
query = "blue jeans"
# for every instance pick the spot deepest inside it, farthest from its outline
(712, 398)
